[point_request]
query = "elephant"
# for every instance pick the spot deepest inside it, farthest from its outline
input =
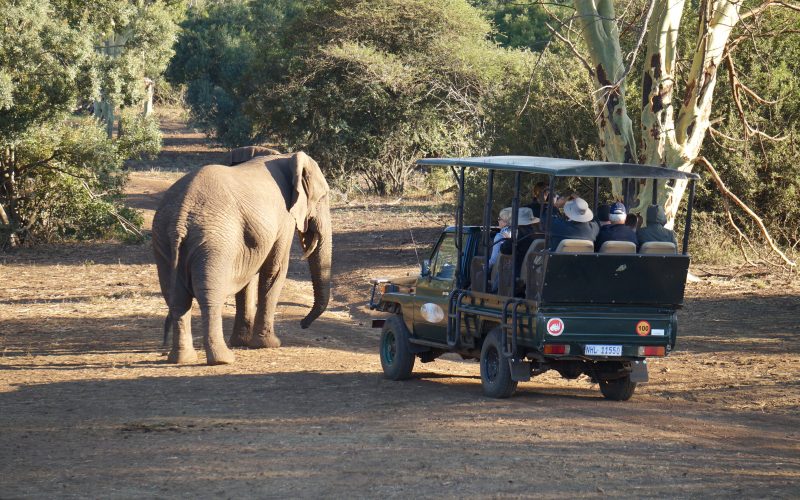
(241, 155)
(228, 230)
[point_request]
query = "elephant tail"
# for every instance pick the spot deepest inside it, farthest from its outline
(167, 324)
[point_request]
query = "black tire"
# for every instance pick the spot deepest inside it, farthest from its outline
(495, 371)
(397, 359)
(620, 389)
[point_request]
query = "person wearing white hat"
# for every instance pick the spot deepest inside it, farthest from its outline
(578, 226)
(525, 236)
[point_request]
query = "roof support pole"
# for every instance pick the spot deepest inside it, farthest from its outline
(460, 228)
(487, 224)
(596, 194)
(688, 228)
(549, 214)
(514, 227)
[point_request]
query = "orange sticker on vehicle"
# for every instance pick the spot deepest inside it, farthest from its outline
(643, 328)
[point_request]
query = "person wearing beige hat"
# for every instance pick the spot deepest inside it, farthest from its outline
(525, 235)
(578, 226)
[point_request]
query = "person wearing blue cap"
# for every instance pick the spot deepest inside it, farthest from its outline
(616, 230)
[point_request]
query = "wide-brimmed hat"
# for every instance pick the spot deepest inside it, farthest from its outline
(578, 210)
(525, 217)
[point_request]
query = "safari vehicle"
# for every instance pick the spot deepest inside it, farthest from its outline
(582, 312)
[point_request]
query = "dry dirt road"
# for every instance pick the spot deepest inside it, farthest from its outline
(89, 408)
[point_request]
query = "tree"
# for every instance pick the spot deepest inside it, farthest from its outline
(222, 52)
(374, 85)
(49, 69)
(672, 129)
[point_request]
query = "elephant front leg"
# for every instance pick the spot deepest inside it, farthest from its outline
(245, 314)
(182, 346)
(270, 285)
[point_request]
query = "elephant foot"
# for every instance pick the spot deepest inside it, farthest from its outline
(182, 356)
(238, 340)
(219, 355)
(264, 341)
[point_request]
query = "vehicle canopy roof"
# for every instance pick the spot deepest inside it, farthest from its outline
(561, 167)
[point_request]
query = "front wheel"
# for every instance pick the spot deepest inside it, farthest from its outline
(495, 370)
(620, 389)
(397, 359)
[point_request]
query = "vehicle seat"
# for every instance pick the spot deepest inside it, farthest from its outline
(477, 274)
(618, 247)
(575, 246)
(532, 268)
(536, 246)
(502, 275)
(659, 247)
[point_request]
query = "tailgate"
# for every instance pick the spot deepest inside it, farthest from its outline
(623, 331)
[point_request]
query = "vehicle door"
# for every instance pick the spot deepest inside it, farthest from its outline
(433, 291)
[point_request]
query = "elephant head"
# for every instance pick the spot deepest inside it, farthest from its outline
(310, 209)
(241, 155)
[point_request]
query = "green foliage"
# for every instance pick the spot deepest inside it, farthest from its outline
(518, 24)
(384, 82)
(764, 173)
(221, 53)
(60, 175)
(70, 179)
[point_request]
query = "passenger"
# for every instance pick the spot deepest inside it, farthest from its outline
(617, 230)
(578, 226)
(504, 221)
(541, 191)
(602, 215)
(632, 221)
(655, 230)
(526, 230)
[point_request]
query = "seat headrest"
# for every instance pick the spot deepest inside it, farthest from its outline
(575, 246)
(659, 247)
(618, 247)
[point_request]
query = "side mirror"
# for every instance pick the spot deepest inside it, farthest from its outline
(426, 268)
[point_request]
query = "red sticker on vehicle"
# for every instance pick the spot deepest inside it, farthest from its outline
(555, 327)
(643, 328)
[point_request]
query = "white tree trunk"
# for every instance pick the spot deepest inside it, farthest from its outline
(600, 31)
(666, 141)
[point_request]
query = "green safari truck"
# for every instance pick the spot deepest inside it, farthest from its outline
(573, 309)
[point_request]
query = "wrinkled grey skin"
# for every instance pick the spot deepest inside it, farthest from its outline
(247, 153)
(228, 230)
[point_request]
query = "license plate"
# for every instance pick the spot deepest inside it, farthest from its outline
(603, 350)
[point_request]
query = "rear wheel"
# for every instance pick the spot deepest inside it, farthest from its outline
(620, 389)
(397, 359)
(495, 370)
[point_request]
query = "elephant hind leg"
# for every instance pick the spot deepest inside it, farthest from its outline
(245, 314)
(181, 313)
(217, 353)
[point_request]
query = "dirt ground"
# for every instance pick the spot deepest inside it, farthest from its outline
(89, 408)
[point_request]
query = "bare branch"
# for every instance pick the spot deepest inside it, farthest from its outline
(530, 81)
(766, 5)
(726, 192)
(572, 47)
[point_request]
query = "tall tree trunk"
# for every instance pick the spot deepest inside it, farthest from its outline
(666, 141)
(600, 31)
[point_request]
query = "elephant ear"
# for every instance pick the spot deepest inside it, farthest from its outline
(309, 188)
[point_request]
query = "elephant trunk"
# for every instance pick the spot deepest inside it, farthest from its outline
(320, 263)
